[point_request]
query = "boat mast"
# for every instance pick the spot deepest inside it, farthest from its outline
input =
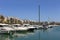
(39, 13)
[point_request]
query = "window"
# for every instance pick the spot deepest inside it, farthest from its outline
(1, 26)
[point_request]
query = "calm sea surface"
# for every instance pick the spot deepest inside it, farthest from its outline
(48, 34)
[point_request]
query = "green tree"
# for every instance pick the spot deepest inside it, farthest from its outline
(1, 19)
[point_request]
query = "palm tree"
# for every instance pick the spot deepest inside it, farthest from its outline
(2, 18)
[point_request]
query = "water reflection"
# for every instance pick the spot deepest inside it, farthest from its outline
(4, 37)
(23, 34)
(15, 35)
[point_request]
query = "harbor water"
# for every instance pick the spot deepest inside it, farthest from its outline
(41, 34)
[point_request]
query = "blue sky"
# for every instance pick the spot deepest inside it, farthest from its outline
(50, 10)
(24, 9)
(28, 9)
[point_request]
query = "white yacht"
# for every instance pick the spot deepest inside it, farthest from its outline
(18, 27)
(38, 26)
(30, 27)
(24, 27)
(5, 28)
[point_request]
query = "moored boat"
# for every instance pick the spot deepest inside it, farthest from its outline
(30, 27)
(18, 27)
(5, 28)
